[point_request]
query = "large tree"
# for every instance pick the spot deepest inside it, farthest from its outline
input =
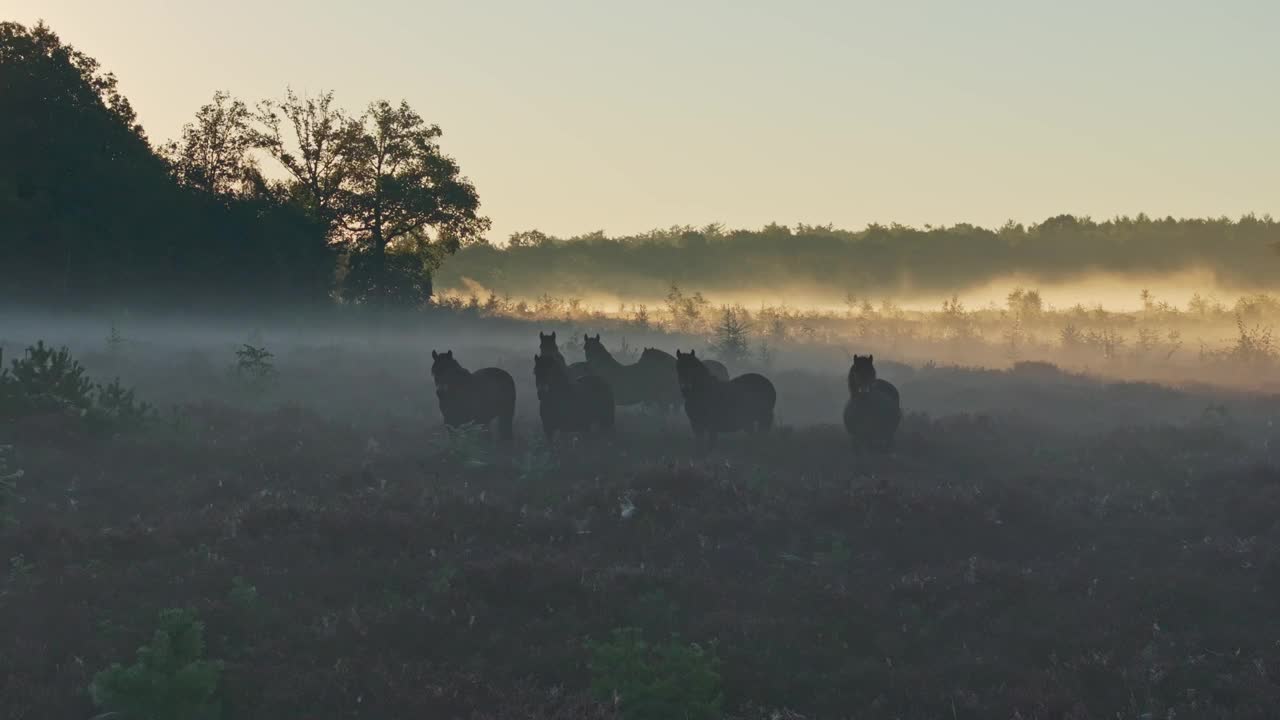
(77, 177)
(391, 199)
(213, 154)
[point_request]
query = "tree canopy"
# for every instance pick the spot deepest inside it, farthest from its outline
(93, 212)
(877, 259)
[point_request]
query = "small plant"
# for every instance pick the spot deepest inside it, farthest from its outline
(45, 379)
(656, 681)
(19, 568)
(254, 363)
(115, 405)
(730, 342)
(115, 340)
(171, 679)
(243, 596)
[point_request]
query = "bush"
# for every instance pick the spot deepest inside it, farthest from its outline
(171, 680)
(48, 380)
(45, 379)
(254, 364)
(656, 682)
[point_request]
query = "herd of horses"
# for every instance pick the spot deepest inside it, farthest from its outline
(581, 397)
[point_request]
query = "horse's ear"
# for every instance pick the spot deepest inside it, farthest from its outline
(553, 334)
(871, 358)
(448, 353)
(597, 337)
(586, 337)
(435, 355)
(693, 353)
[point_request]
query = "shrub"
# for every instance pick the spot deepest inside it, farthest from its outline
(115, 405)
(731, 331)
(254, 364)
(45, 379)
(171, 680)
(656, 682)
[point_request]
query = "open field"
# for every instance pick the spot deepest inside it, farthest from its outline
(1040, 545)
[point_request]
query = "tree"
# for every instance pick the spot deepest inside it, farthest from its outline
(78, 181)
(731, 341)
(400, 188)
(528, 238)
(392, 200)
(214, 152)
(317, 155)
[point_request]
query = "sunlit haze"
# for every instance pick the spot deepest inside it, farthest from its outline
(577, 116)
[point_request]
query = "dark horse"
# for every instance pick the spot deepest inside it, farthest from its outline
(715, 406)
(547, 347)
(659, 357)
(874, 410)
(641, 382)
(478, 397)
(568, 404)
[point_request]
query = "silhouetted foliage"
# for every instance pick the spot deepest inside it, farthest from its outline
(93, 213)
(386, 193)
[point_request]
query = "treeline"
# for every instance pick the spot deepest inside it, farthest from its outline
(878, 259)
(92, 212)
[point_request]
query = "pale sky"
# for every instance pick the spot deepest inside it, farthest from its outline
(576, 116)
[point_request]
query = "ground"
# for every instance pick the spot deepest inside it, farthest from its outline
(1038, 545)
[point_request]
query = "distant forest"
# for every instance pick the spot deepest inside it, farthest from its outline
(1241, 253)
(364, 208)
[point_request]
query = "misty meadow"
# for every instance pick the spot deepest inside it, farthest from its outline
(288, 431)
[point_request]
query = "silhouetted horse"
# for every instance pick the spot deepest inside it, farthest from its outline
(656, 356)
(478, 397)
(569, 404)
(715, 406)
(874, 410)
(642, 382)
(547, 347)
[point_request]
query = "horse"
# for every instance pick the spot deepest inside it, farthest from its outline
(547, 347)
(647, 382)
(569, 404)
(479, 397)
(715, 406)
(659, 357)
(874, 409)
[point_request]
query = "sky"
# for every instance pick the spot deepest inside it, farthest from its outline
(591, 115)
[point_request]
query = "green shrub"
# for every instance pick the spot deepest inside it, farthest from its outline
(656, 682)
(45, 379)
(171, 680)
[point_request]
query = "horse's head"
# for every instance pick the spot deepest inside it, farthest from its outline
(690, 371)
(548, 373)
(862, 373)
(594, 349)
(445, 370)
(547, 343)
